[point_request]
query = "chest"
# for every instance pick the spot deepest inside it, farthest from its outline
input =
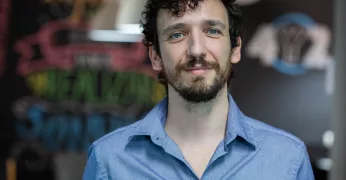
(158, 163)
(198, 157)
(166, 167)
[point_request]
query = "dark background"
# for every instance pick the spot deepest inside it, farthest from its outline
(298, 104)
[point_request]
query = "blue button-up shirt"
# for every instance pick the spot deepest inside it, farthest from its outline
(251, 150)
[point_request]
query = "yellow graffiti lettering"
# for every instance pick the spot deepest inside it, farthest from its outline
(38, 83)
(158, 92)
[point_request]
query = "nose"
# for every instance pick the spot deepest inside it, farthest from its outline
(196, 45)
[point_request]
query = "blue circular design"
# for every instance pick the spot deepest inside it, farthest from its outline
(284, 20)
(289, 69)
(294, 18)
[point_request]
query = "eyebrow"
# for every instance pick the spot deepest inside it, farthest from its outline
(214, 23)
(208, 22)
(173, 27)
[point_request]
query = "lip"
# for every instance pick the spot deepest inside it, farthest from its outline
(198, 71)
(198, 68)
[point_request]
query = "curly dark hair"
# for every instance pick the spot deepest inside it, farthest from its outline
(178, 8)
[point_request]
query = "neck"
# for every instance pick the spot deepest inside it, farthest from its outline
(193, 123)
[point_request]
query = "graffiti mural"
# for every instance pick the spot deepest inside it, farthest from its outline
(80, 89)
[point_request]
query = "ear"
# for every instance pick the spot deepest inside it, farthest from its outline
(155, 59)
(236, 52)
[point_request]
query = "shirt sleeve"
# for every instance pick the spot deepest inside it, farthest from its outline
(94, 169)
(305, 170)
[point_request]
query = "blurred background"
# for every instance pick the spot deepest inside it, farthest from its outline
(72, 71)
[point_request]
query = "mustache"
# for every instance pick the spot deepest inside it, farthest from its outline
(200, 61)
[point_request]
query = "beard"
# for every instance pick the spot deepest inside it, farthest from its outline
(197, 90)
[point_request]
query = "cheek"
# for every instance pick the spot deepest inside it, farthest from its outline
(220, 50)
(172, 55)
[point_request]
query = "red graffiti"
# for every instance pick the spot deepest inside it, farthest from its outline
(4, 19)
(122, 58)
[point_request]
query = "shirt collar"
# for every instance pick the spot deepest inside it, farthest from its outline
(236, 125)
(153, 123)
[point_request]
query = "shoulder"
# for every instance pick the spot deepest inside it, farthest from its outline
(274, 139)
(281, 147)
(107, 151)
(116, 141)
(113, 142)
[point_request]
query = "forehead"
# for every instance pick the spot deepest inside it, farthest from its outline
(207, 9)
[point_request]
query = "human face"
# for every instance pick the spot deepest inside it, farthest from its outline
(195, 48)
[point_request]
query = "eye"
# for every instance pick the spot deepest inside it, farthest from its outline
(214, 32)
(176, 36)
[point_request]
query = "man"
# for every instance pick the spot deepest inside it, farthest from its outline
(197, 132)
